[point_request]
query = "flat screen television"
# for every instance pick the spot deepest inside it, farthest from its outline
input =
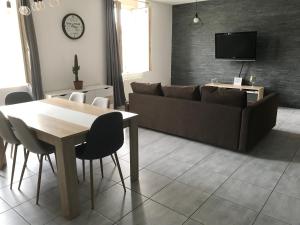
(236, 46)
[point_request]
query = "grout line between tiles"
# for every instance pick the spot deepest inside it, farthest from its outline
(190, 217)
(274, 188)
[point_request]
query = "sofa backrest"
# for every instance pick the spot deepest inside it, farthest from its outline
(206, 94)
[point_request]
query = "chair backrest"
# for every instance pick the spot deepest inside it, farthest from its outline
(6, 131)
(101, 102)
(77, 97)
(26, 136)
(17, 97)
(105, 136)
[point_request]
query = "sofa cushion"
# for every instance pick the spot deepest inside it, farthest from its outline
(147, 88)
(184, 92)
(224, 96)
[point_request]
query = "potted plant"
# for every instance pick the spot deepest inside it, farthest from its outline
(77, 83)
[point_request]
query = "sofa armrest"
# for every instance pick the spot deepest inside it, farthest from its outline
(257, 120)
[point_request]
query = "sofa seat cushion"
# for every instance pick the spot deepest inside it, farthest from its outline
(183, 92)
(147, 88)
(231, 97)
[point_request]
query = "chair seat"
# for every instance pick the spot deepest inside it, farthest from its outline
(81, 153)
(47, 147)
(80, 149)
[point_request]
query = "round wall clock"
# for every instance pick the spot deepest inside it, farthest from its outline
(73, 26)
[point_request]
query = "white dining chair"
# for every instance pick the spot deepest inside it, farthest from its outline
(101, 102)
(77, 97)
(33, 145)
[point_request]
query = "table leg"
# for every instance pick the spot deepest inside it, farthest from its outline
(260, 94)
(2, 155)
(134, 150)
(67, 178)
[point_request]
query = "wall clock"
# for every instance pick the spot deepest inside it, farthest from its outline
(73, 26)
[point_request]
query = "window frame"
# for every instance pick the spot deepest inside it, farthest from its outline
(24, 47)
(128, 76)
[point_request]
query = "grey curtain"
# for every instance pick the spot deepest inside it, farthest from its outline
(32, 54)
(113, 60)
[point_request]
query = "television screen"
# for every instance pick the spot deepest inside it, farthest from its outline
(236, 46)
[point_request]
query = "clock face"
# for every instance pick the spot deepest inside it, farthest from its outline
(73, 26)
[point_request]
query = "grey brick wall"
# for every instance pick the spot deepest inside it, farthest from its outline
(278, 49)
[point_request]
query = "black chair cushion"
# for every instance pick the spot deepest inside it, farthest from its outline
(80, 150)
(104, 138)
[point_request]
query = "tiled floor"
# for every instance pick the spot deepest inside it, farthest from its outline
(181, 182)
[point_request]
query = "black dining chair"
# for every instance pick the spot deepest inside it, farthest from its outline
(17, 97)
(33, 145)
(7, 134)
(104, 138)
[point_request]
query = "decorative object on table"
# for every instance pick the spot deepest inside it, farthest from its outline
(196, 17)
(77, 83)
(214, 81)
(37, 5)
(238, 81)
(252, 79)
(73, 26)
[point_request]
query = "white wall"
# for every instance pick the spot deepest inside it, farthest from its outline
(57, 51)
(161, 47)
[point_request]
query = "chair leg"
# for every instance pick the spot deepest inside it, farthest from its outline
(83, 170)
(113, 159)
(56, 161)
(50, 162)
(5, 146)
(92, 184)
(39, 179)
(120, 171)
(11, 150)
(23, 169)
(101, 166)
(13, 166)
(24, 149)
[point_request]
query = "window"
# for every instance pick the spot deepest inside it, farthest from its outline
(12, 70)
(135, 37)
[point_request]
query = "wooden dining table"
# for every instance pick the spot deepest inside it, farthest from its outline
(64, 124)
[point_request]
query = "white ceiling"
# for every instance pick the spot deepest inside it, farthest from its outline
(176, 2)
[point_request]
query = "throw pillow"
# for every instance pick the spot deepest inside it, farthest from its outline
(146, 88)
(184, 92)
(224, 96)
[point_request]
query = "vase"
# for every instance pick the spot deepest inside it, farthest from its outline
(78, 84)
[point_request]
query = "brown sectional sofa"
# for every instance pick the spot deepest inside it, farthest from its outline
(220, 118)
